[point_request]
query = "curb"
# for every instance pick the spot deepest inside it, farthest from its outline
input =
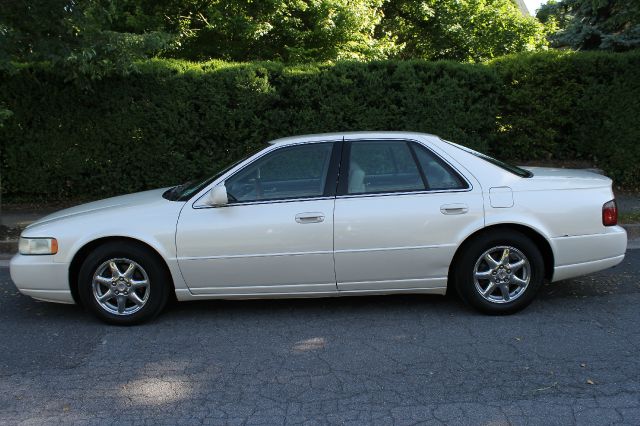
(4, 260)
(633, 235)
(633, 231)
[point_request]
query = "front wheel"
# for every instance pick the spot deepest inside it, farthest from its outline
(499, 273)
(123, 283)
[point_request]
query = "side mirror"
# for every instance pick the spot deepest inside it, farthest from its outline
(218, 196)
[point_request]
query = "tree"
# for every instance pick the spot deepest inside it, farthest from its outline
(286, 30)
(593, 24)
(4, 114)
(462, 30)
(91, 38)
(77, 37)
(554, 14)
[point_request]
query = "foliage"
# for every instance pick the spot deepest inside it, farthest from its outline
(297, 30)
(287, 30)
(467, 30)
(555, 14)
(176, 120)
(593, 24)
(241, 30)
(572, 106)
(629, 217)
(97, 37)
(79, 38)
(4, 114)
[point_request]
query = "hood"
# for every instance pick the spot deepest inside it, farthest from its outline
(137, 199)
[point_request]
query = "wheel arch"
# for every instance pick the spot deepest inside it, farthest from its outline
(538, 239)
(88, 247)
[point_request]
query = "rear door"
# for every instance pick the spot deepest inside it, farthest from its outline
(399, 214)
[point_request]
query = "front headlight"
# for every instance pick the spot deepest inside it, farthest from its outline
(38, 246)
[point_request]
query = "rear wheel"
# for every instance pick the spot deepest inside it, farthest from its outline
(123, 283)
(499, 272)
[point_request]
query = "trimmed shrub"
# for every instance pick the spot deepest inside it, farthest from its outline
(175, 121)
(571, 106)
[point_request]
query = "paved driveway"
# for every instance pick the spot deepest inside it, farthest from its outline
(571, 357)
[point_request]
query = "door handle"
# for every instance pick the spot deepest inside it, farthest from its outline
(454, 209)
(312, 217)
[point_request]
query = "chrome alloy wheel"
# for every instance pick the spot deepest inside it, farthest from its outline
(121, 286)
(502, 274)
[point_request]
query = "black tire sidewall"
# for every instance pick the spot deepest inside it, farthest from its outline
(146, 259)
(463, 272)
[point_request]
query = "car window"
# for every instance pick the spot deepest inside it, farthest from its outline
(382, 166)
(291, 172)
(439, 175)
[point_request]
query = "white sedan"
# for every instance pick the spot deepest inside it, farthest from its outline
(329, 215)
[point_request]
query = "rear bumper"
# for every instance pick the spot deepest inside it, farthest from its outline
(585, 254)
(41, 278)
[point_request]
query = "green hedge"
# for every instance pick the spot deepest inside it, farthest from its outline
(572, 106)
(176, 120)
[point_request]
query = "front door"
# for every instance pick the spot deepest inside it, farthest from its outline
(276, 234)
(399, 213)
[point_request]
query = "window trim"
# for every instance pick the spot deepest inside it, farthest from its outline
(344, 170)
(423, 176)
(334, 163)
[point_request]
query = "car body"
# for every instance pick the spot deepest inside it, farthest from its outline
(302, 218)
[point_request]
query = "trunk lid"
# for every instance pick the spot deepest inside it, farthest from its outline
(567, 178)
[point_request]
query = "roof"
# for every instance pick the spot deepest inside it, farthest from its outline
(347, 135)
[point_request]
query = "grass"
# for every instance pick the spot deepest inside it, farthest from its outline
(629, 217)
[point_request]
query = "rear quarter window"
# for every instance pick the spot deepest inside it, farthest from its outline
(439, 175)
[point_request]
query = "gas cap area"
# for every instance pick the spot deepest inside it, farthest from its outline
(501, 197)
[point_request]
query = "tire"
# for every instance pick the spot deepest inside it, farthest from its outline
(505, 285)
(136, 293)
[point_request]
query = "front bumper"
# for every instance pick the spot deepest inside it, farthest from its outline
(41, 278)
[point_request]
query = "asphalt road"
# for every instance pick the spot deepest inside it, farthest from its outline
(572, 357)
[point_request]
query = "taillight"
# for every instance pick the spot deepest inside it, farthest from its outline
(610, 213)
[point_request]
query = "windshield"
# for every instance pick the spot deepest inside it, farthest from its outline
(187, 190)
(519, 171)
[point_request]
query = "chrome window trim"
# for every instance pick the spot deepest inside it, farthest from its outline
(418, 192)
(251, 203)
